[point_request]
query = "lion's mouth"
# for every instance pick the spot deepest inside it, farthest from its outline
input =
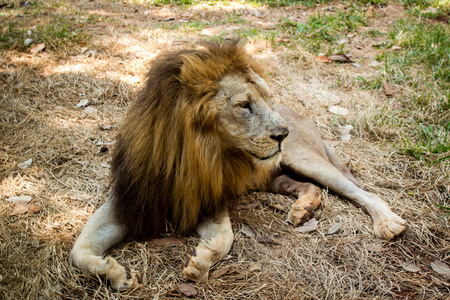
(267, 157)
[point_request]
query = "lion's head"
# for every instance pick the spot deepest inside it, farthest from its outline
(202, 132)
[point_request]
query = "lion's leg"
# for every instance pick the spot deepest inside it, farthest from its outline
(100, 233)
(307, 194)
(216, 239)
(387, 224)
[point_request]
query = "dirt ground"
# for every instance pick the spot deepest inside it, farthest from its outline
(70, 151)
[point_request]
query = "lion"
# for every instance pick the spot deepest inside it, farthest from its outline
(203, 131)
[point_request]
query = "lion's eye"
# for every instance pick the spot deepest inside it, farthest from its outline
(245, 105)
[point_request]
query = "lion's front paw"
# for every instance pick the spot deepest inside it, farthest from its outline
(389, 227)
(121, 277)
(196, 269)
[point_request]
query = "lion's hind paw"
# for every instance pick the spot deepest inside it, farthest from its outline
(389, 228)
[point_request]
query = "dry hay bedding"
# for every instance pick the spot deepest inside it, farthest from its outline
(35, 248)
(70, 156)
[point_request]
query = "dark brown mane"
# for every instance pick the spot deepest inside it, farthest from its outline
(170, 162)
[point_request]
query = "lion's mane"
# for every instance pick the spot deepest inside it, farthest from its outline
(171, 162)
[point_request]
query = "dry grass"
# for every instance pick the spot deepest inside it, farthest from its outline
(69, 175)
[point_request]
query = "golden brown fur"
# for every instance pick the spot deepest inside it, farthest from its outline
(171, 162)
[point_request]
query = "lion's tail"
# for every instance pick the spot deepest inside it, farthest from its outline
(336, 161)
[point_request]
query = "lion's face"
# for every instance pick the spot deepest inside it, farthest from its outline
(247, 117)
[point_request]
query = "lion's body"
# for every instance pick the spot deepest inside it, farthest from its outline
(203, 131)
(177, 157)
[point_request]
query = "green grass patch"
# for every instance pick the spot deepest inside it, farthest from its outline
(425, 44)
(422, 68)
(53, 30)
(323, 30)
(284, 3)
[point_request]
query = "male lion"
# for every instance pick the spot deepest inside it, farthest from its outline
(204, 130)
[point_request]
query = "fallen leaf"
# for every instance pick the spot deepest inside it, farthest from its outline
(248, 231)
(219, 273)
(410, 267)
(334, 229)
(19, 209)
(33, 209)
(309, 226)
(373, 248)
(281, 41)
(388, 89)
(441, 268)
(255, 267)
(277, 207)
(25, 164)
(23, 199)
(167, 241)
(252, 205)
(266, 240)
(396, 48)
(338, 110)
(187, 289)
(6, 148)
(340, 57)
(323, 59)
(37, 48)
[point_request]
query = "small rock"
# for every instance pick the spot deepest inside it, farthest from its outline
(23, 199)
(27, 42)
(82, 103)
(255, 267)
(25, 164)
(337, 110)
(90, 110)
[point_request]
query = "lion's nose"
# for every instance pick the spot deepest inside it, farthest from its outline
(281, 135)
